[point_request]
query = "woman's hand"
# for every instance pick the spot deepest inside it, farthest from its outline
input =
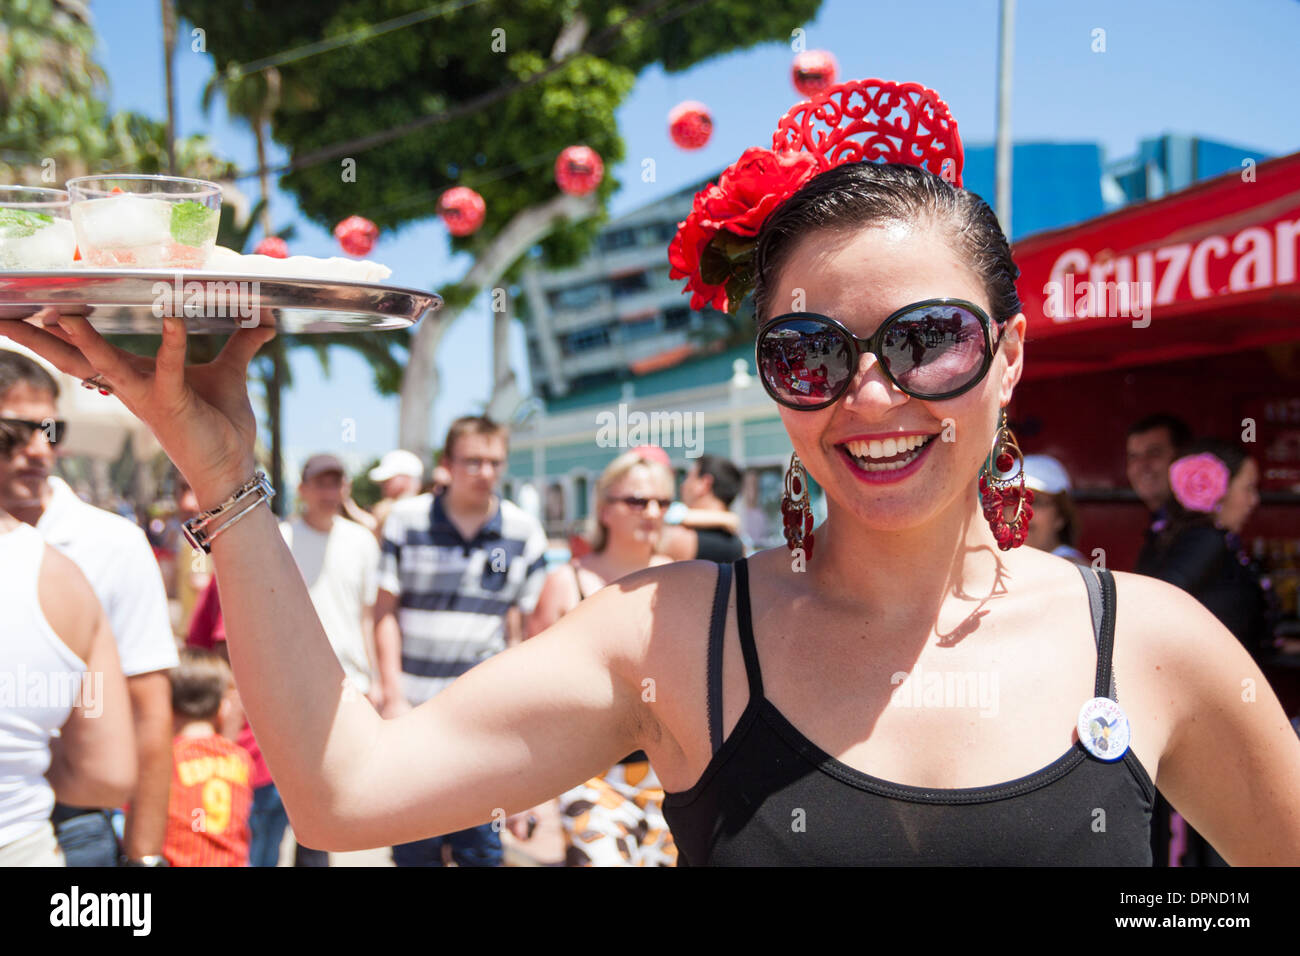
(200, 415)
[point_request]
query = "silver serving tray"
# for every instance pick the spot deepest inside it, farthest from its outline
(136, 300)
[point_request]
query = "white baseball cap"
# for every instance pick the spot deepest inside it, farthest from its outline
(1044, 473)
(396, 463)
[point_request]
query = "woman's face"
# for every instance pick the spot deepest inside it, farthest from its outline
(1241, 499)
(860, 279)
(625, 523)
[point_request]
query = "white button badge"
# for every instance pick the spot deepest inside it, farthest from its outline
(1103, 728)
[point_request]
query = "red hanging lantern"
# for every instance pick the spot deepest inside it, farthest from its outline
(578, 170)
(272, 246)
(690, 124)
(462, 210)
(356, 235)
(813, 72)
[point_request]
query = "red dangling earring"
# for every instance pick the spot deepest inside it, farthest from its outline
(796, 508)
(998, 492)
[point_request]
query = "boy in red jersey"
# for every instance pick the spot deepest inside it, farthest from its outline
(211, 792)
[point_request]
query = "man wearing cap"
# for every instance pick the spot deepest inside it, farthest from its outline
(399, 474)
(339, 561)
(1054, 528)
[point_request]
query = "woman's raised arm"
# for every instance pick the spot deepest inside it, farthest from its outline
(519, 728)
(516, 730)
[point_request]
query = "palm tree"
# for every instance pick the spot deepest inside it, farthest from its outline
(252, 98)
(169, 54)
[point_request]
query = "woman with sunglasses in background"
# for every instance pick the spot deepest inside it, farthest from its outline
(614, 819)
(794, 718)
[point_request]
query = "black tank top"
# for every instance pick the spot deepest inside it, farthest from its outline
(770, 797)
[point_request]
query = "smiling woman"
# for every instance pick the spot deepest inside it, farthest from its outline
(769, 713)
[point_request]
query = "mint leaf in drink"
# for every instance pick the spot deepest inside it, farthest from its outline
(21, 223)
(193, 223)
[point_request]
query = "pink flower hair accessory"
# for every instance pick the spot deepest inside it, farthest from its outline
(1199, 482)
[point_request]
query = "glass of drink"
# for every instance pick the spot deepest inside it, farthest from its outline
(35, 231)
(145, 222)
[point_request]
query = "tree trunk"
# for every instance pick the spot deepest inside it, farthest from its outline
(420, 383)
(274, 388)
(501, 373)
(259, 133)
(169, 54)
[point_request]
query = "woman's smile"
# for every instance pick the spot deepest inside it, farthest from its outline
(886, 461)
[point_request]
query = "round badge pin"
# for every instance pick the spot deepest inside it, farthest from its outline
(1103, 728)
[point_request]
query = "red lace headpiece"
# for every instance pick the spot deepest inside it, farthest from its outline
(873, 120)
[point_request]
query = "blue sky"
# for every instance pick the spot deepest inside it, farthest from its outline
(1224, 71)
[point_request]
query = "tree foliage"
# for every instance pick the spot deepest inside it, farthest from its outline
(380, 121)
(54, 124)
(505, 150)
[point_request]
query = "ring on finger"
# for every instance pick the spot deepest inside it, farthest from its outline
(97, 381)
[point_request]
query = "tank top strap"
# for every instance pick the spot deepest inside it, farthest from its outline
(717, 631)
(577, 581)
(1101, 602)
(746, 628)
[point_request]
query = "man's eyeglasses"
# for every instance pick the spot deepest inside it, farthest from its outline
(18, 431)
(931, 350)
(476, 465)
(640, 504)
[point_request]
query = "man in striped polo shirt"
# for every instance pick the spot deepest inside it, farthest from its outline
(457, 573)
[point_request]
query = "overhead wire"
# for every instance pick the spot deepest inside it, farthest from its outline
(366, 32)
(372, 140)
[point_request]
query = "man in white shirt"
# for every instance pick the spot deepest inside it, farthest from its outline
(116, 558)
(339, 560)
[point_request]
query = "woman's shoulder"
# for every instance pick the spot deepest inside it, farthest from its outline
(668, 581)
(1171, 630)
(663, 599)
(651, 622)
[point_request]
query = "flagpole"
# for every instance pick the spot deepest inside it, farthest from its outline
(1002, 161)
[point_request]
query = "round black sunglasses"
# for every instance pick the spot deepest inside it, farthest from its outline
(931, 350)
(19, 431)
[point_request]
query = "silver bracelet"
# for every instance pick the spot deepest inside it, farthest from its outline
(250, 494)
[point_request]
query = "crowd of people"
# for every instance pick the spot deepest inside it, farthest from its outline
(128, 746)
(433, 579)
(412, 592)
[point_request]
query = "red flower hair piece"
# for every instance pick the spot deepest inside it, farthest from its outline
(873, 120)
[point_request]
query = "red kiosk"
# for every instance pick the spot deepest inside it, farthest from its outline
(1188, 304)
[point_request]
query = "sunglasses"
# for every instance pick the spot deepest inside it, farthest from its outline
(640, 504)
(19, 431)
(930, 350)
